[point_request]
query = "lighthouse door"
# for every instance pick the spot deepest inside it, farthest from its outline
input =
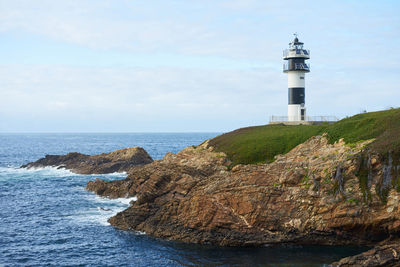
(302, 114)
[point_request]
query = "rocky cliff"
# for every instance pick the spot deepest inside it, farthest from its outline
(116, 161)
(318, 193)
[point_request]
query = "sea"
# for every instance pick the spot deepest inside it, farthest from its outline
(47, 218)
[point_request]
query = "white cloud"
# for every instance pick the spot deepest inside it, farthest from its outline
(237, 29)
(87, 23)
(172, 27)
(353, 59)
(51, 93)
(142, 99)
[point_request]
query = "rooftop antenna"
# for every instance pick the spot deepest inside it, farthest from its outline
(295, 35)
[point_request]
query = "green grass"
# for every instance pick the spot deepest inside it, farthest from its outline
(259, 144)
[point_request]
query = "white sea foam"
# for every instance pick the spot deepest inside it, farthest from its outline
(94, 216)
(140, 233)
(48, 171)
(42, 170)
(105, 209)
(14, 173)
(116, 201)
(120, 174)
(126, 201)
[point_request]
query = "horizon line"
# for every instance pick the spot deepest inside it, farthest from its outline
(145, 132)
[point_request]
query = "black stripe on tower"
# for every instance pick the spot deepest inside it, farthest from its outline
(296, 95)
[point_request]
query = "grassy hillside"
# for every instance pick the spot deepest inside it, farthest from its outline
(261, 143)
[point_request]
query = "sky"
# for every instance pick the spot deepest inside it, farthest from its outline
(187, 65)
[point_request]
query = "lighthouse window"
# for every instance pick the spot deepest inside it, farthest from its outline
(302, 78)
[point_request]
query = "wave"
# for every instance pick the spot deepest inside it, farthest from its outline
(116, 201)
(41, 171)
(104, 209)
(95, 209)
(7, 173)
(139, 232)
(126, 201)
(94, 216)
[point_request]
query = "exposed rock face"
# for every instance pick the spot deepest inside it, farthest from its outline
(315, 194)
(116, 161)
(385, 255)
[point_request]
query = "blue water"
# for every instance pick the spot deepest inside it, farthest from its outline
(47, 218)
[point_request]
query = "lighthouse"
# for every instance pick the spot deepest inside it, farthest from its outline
(296, 68)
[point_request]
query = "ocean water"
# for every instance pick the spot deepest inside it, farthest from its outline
(48, 219)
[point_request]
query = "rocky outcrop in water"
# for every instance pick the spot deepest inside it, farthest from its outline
(318, 193)
(117, 161)
(385, 255)
(314, 194)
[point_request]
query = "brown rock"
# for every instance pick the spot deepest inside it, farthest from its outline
(116, 161)
(311, 195)
(385, 255)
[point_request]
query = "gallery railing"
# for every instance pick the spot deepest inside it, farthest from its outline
(306, 118)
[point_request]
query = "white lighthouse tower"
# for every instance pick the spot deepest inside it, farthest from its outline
(296, 68)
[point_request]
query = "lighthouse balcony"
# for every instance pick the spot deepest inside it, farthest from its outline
(296, 66)
(296, 53)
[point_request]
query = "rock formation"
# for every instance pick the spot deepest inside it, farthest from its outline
(318, 193)
(116, 161)
(385, 255)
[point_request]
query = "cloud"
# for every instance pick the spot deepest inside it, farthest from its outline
(171, 27)
(237, 29)
(88, 23)
(138, 95)
(188, 65)
(172, 99)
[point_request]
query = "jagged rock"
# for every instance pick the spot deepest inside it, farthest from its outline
(311, 195)
(116, 161)
(385, 255)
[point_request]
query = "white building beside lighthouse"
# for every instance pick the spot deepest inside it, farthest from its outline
(296, 68)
